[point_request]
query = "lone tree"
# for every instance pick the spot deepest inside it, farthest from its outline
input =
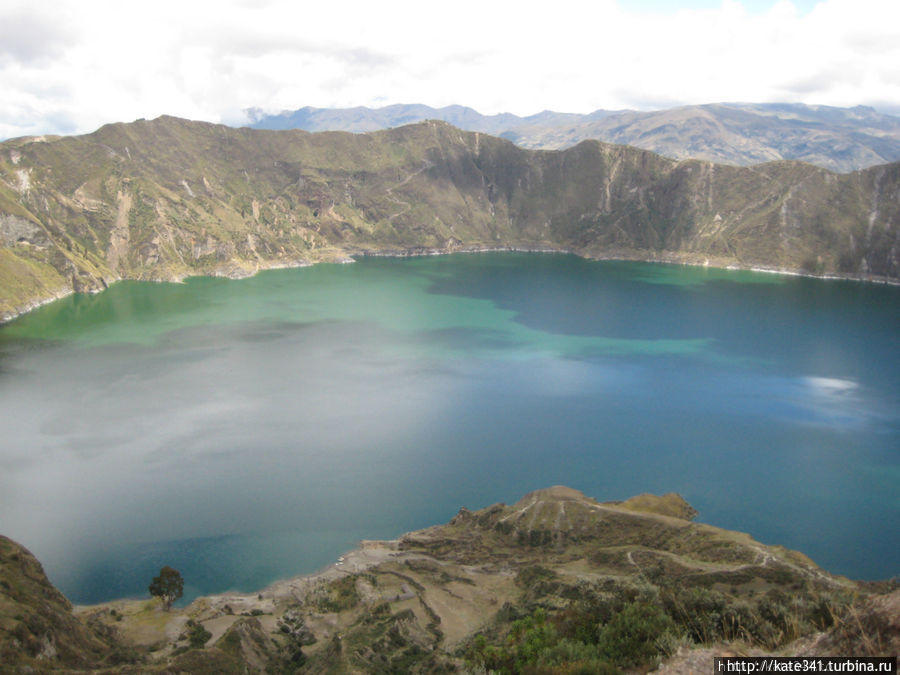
(168, 586)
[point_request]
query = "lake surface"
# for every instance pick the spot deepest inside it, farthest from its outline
(245, 431)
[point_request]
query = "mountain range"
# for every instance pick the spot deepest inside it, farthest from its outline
(168, 198)
(839, 139)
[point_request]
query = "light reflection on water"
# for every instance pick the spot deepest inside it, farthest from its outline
(247, 431)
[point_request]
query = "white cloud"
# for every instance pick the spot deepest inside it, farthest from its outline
(85, 63)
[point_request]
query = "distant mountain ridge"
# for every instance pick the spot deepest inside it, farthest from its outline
(362, 119)
(838, 139)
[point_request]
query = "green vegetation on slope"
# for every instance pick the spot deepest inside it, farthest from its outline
(169, 198)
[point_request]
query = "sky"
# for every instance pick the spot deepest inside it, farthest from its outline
(70, 67)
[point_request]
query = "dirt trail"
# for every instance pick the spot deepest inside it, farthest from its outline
(390, 191)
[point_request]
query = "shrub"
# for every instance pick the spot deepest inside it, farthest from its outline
(342, 594)
(631, 638)
(699, 611)
(197, 635)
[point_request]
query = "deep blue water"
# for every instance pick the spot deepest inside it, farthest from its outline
(245, 431)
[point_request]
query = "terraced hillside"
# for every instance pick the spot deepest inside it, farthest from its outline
(553, 583)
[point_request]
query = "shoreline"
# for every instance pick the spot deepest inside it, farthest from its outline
(347, 256)
(367, 554)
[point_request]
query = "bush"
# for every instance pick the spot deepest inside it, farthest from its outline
(699, 611)
(197, 635)
(579, 621)
(533, 645)
(528, 576)
(633, 635)
(342, 595)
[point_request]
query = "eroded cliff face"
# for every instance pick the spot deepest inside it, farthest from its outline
(169, 198)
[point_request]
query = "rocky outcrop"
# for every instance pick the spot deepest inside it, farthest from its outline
(15, 230)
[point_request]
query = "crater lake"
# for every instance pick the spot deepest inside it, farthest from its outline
(248, 430)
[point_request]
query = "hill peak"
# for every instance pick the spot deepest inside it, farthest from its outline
(671, 504)
(558, 493)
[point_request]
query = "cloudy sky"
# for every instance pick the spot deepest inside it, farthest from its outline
(68, 67)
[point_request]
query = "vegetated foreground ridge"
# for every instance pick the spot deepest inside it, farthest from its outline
(555, 583)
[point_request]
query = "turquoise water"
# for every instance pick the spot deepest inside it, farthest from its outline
(245, 431)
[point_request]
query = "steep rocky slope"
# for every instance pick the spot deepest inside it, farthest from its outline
(168, 198)
(36, 621)
(553, 583)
